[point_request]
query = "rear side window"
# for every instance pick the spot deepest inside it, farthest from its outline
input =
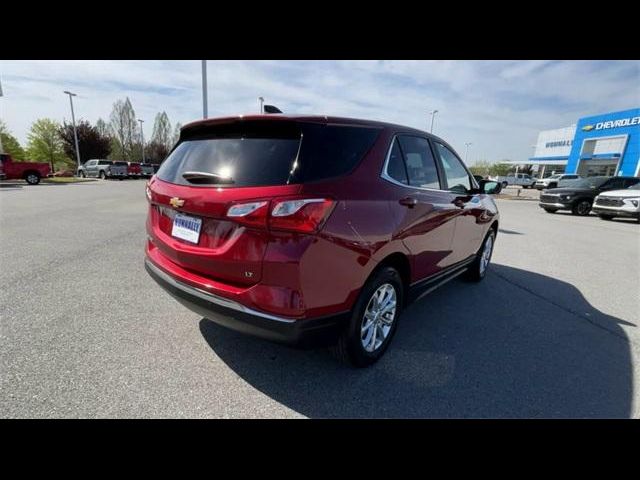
(104, 162)
(421, 166)
(249, 155)
(395, 166)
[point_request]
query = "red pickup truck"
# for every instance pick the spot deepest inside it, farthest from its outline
(32, 172)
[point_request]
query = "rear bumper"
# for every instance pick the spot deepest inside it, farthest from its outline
(235, 316)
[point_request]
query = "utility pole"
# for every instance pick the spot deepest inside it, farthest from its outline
(466, 153)
(75, 133)
(204, 90)
(261, 100)
(142, 138)
(433, 114)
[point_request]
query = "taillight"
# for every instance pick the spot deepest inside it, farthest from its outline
(304, 215)
(252, 213)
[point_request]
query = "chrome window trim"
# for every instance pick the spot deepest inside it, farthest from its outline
(210, 297)
(385, 175)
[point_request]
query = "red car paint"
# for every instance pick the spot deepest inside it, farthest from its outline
(297, 276)
(12, 170)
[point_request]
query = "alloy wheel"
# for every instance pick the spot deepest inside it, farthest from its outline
(378, 317)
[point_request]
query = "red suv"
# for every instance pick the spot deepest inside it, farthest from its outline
(302, 229)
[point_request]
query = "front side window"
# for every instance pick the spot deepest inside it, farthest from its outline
(421, 166)
(457, 177)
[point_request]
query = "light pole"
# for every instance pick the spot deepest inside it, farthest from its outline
(204, 89)
(433, 114)
(466, 153)
(261, 100)
(75, 133)
(142, 138)
(1, 148)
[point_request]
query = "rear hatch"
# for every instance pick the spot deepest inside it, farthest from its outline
(225, 187)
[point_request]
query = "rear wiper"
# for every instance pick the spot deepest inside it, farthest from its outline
(206, 177)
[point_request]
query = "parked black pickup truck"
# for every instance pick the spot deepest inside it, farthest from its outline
(578, 197)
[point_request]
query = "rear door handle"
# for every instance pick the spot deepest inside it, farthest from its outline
(409, 202)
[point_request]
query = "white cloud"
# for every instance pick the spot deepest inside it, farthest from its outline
(499, 106)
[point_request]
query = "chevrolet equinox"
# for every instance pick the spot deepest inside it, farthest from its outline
(307, 229)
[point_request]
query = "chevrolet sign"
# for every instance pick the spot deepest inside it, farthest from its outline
(623, 122)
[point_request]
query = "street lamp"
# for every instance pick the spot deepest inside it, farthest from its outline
(204, 89)
(466, 153)
(75, 133)
(142, 138)
(261, 100)
(433, 114)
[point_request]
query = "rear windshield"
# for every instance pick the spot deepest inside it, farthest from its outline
(260, 155)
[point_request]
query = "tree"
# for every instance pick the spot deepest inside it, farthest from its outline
(103, 129)
(45, 145)
(123, 129)
(10, 144)
(90, 142)
(162, 134)
(155, 152)
(176, 133)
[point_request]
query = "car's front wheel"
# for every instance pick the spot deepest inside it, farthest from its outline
(33, 178)
(82, 174)
(373, 321)
(478, 268)
(582, 208)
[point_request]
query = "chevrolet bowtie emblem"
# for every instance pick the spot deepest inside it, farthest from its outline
(176, 202)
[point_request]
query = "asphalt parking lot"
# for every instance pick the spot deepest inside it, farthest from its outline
(551, 332)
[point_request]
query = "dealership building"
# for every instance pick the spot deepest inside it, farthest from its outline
(606, 144)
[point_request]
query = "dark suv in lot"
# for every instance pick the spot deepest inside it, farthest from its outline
(303, 229)
(578, 195)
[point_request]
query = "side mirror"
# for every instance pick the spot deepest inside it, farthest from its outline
(490, 187)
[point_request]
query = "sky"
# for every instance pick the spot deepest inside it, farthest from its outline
(497, 106)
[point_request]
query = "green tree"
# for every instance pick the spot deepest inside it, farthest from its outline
(10, 144)
(176, 133)
(45, 145)
(124, 130)
(162, 133)
(90, 142)
(103, 129)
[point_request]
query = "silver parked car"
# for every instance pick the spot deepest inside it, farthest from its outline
(100, 168)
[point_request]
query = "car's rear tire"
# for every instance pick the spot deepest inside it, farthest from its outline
(550, 210)
(32, 178)
(102, 175)
(375, 314)
(581, 208)
(606, 217)
(478, 268)
(504, 184)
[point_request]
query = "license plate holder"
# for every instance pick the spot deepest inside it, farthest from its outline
(186, 228)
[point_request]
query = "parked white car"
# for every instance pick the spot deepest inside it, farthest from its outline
(618, 203)
(523, 179)
(554, 180)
